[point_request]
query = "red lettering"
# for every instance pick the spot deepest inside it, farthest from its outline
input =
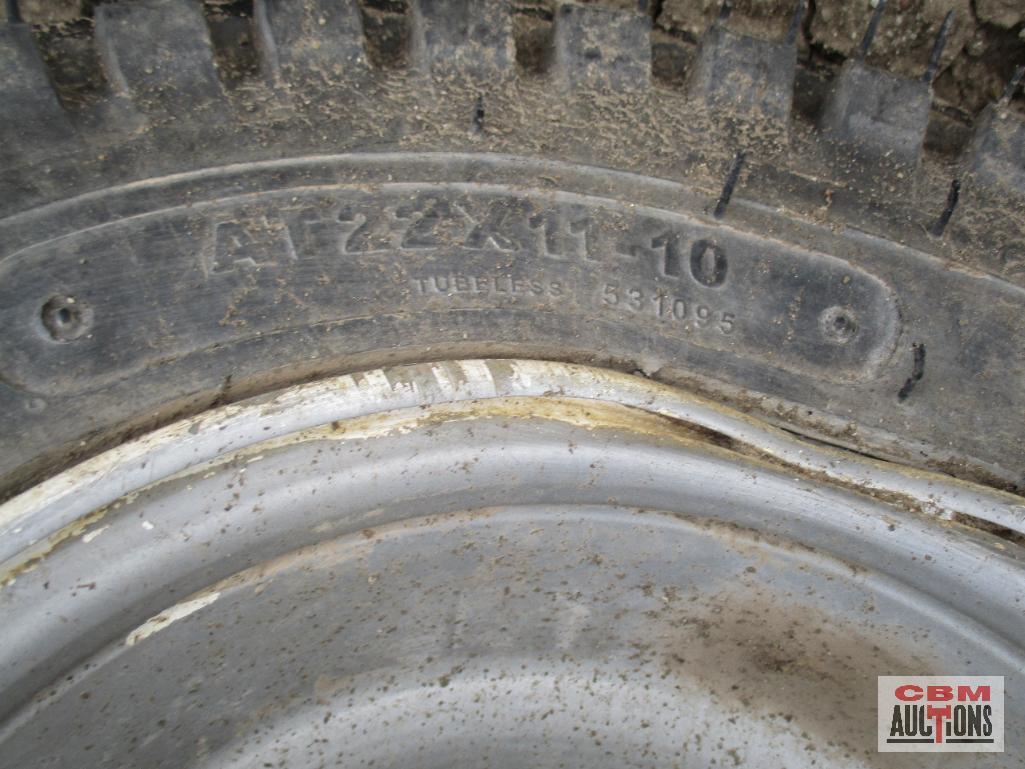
(940, 693)
(908, 693)
(937, 715)
(979, 693)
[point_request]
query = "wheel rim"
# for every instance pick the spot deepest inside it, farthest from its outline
(488, 562)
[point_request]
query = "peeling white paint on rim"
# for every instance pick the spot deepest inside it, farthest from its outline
(169, 616)
(104, 479)
(90, 536)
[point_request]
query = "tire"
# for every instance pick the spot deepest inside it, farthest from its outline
(174, 238)
(494, 329)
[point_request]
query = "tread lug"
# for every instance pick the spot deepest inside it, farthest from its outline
(876, 120)
(32, 115)
(470, 36)
(602, 47)
(745, 74)
(995, 157)
(158, 53)
(299, 40)
(989, 221)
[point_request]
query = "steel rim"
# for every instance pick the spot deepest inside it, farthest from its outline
(489, 562)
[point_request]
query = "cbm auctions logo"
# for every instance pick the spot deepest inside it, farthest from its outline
(941, 714)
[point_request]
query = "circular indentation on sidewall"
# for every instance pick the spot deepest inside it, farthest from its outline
(839, 325)
(65, 318)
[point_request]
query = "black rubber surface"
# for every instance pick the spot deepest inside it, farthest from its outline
(177, 234)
